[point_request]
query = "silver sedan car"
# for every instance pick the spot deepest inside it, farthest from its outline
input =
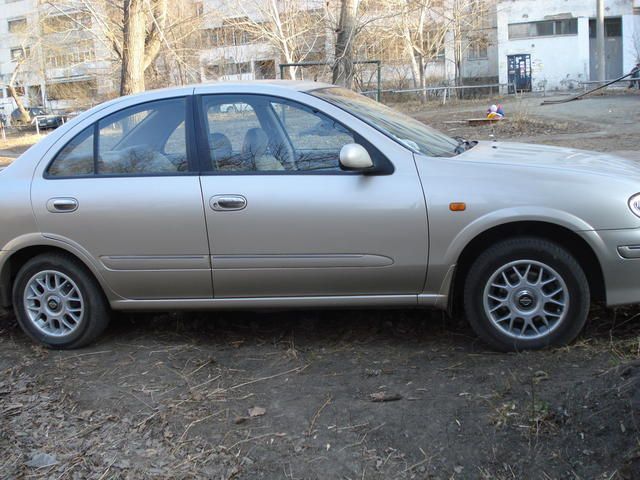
(308, 195)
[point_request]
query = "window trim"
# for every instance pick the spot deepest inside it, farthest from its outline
(527, 37)
(20, 19)
(189, 139)
(384, 166)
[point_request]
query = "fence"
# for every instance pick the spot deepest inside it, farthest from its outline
(443, 91)
(589, 83)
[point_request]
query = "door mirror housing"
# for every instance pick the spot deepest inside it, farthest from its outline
(355, 157)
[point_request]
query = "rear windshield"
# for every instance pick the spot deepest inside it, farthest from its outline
(404, 129)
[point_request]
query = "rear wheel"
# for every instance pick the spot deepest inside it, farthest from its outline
(58, 303)
(526, 293)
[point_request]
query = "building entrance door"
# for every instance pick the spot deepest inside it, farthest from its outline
(519, 72)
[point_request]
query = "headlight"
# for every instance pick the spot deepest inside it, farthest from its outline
(634, 204)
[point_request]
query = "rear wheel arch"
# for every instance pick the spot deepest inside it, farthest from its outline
(20, 257)
(557, 234)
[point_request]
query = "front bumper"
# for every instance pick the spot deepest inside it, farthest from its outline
(619, 254)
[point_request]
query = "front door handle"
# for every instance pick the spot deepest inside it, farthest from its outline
(228, 202)
(62, 205)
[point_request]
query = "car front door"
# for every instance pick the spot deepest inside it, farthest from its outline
(284, 220)
(123, 191)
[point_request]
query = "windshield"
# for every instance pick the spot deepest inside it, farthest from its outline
(408, 131)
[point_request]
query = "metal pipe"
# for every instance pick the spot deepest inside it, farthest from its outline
(428, 89)
(600, 60)
(379, 92)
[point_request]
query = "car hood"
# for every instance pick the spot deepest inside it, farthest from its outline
(549, 157)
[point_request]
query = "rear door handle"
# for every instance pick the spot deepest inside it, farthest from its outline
(62, 205)
(228, 202)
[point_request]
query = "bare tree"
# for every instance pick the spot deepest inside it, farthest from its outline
(11, 87)
(420, 25)
(22, 58)
(345, 35)
(134, 31)
(179, 64)
(466, 20)
(295, 29)
(142, 32)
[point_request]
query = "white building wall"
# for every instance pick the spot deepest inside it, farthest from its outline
(559, 61)
(630, 41)
(8, 11)
(556, 62)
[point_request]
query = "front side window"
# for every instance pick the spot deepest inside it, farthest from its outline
(316, 139)
(147, 139)
(253, 133)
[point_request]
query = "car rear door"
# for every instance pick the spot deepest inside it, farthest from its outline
(284, 220)
(124, 191)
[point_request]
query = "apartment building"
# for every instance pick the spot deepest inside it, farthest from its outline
(526, 44)
(52, 54)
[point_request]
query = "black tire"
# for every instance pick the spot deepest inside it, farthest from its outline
(96, 314)
(537, 250)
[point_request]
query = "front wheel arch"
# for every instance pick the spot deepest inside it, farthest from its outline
(564, 237)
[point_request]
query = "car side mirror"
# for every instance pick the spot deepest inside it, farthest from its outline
(355, 157)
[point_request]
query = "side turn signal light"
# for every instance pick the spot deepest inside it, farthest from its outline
(457, 206)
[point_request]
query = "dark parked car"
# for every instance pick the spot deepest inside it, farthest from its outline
(46, 119)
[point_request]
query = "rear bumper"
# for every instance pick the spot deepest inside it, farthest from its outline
(619, 254)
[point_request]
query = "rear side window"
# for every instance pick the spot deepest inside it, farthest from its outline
(147, 139)
(76, 158)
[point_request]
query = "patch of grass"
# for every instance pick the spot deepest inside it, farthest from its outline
(19, 142)
(504, 414)
(615, 331)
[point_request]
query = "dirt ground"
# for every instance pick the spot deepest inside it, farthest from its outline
(336, 394)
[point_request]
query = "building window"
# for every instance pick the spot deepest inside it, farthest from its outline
(547, 28)
(213, 71)
(478, 50)
(70, 56)
(612, 27)
(66, 22)
(18, 53)
(17, 25)
(229, 34)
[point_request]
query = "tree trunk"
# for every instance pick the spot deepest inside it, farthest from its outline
(343, 65)
(24, 115)
(133, 48)
(423, 80)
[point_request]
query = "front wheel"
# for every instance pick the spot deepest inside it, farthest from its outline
(58, 303)
(526, 293)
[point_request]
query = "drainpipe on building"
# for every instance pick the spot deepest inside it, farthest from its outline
(600, 60)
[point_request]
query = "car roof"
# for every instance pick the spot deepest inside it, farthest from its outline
(246, 86)
(263, 87)
(299, 85)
